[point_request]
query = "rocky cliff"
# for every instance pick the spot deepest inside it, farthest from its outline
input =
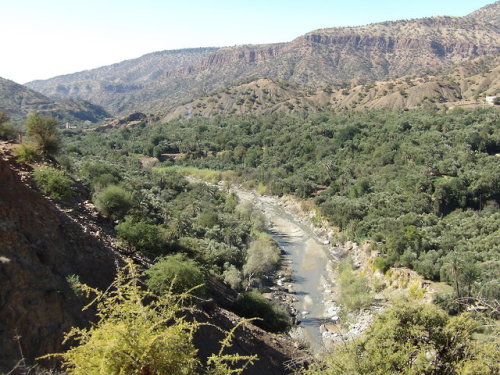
(329, 56)
(40, 247)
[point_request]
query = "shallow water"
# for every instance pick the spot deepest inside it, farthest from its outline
(308, 259)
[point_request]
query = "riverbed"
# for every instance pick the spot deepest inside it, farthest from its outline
(309, 258)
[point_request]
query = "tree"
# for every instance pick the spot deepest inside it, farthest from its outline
(263, 255)
(43, 131)
(413, 339)
(53, 182)
(175, 273)
(141, 235)
(114, 201)
(7, 130)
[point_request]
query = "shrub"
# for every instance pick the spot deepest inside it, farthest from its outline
(137, 339)
(114, 202)
(53, 182)
(7, 130)
(43, 131)
(413, 339)
(142, 235)
(232, 276)
(254, 305)
(177, 274)
(27, 154)
(355, 292)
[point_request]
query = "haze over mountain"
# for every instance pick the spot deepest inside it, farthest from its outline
(19, 101)
(162, 80)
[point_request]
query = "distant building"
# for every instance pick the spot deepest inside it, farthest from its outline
(490, 100)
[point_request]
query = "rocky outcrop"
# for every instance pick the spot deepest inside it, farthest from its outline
(159, 82)
(40, 247)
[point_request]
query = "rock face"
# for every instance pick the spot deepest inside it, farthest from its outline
(19, 100)
(160, 81)
(39, 248)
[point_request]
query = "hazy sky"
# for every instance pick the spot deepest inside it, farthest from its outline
(45, 38)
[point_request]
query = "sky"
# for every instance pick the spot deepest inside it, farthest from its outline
(45, 38)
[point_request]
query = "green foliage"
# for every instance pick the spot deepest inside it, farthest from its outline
(43, 131)
(413, 339)
(232, 276)
(54, 183)
(142, 236)
(420, 184)
(355, 291)
(27, 154)
(263, 256)
(99, 175)
(137, 339)
(177, 274)
(253, 305)
(113, 201)
(7, 130)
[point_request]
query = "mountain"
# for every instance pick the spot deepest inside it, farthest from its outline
(336, 56)
(464, 85)
(487, 14)
(19, 101)
(116, 86)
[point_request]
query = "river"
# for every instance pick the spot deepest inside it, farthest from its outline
(308, 258)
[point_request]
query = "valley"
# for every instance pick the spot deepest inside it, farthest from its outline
(328, 204)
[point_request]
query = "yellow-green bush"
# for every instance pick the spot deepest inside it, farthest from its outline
(134, 338)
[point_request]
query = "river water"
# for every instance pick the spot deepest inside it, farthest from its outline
(308, 258)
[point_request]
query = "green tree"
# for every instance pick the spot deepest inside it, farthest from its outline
(272, 317)
(262, 256)
(177, 274)
(43, 131)
(141, 235)
(53, 182)
(7, 130)
(413, 339)
(114, 201)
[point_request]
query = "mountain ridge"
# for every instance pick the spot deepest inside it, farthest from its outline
(19, 101)
(381, 51)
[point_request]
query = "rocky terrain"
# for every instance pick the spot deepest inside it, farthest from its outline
(465, 85)
(19, 101)
(336, 57)
(45, 244)
(41, 246)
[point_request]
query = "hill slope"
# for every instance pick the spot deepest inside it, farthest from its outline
(463, 85)
(19, 100)
(380, 51)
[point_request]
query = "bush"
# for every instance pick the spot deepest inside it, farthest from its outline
(137, 339)
(254, 305)
(43, 131)
(7, 130)
(54, 183)
(355, 292)
(177, 274)
(114, 202)
(143, 236)
(413, 339)
(27, 154)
